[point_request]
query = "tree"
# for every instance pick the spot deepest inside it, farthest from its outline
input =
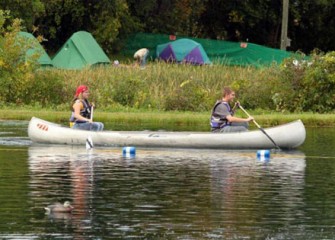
(254, 20)
(310, 27)
(26, 10)
(110, 21)
(169, 16)
(105, 19)
(15, 70)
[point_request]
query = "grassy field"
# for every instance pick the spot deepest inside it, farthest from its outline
(265, 119)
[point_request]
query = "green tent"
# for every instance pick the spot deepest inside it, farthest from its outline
(79, 51)
(37, 48)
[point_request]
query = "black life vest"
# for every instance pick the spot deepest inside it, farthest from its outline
(85, 112)
(218, 121)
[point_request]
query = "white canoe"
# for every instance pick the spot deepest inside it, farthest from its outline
(286, 136)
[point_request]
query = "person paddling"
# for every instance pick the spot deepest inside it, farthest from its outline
(222, 117)
(82, 111)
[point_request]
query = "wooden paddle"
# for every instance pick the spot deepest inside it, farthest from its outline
(89, 142)
(92, 113)
(259, 127)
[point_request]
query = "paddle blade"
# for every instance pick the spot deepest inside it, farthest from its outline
(89, 143)
(274, 143)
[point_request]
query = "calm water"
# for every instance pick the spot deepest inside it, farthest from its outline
(166, 193)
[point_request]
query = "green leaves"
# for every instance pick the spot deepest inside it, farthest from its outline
(309, 84)
(16, 65)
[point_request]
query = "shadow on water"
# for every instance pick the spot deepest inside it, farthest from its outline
(166, 193)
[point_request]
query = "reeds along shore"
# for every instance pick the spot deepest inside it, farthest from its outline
(160, 86)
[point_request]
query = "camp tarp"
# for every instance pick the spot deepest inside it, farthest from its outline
(243, 53)
(44, 59)
(183, 50)
(218, 51)
(79, 51)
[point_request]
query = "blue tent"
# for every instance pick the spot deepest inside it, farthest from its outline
(184, 51)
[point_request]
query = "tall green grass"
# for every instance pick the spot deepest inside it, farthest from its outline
(161, 86)
(163, 92)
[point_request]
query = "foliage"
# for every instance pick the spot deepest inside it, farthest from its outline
(111, 21)
(310, 26)
(26, 10)
(181, 87)
(17, 71)
(319, 84)
(307, 85)
(172, 17)
(106, 20)
(254, 20)
(190, 95)
(45, 91)
(124, 91)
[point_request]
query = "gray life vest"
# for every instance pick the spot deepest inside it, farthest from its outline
(218, 121)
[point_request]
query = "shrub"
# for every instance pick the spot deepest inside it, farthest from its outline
(17, 72)
(319, 84)
(124, 91)
(47, 89)
(307, 85)
(189, 96)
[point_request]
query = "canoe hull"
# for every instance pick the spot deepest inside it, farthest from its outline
(287, 136)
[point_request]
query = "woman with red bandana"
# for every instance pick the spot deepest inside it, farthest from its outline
(82, 110)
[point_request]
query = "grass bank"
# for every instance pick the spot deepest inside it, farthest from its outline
(287, 87)
(265, 119)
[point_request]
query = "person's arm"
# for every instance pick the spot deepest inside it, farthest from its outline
(224, 111)
(77, 106)
(231, 118)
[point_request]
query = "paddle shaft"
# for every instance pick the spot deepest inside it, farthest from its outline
(90, 144)
(259, 127)
(92, 113)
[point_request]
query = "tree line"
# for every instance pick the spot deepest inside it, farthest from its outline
(111, 21)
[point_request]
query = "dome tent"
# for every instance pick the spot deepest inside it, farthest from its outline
(44, 59)
(183, 50)
(79, 51)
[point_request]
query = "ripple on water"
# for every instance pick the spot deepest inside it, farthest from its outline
(15, 141)
(161, 193)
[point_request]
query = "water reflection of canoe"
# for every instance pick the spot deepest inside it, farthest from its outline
(287, 136)
(52, 157)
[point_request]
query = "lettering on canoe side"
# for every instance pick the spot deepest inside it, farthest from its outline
(43, 127)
